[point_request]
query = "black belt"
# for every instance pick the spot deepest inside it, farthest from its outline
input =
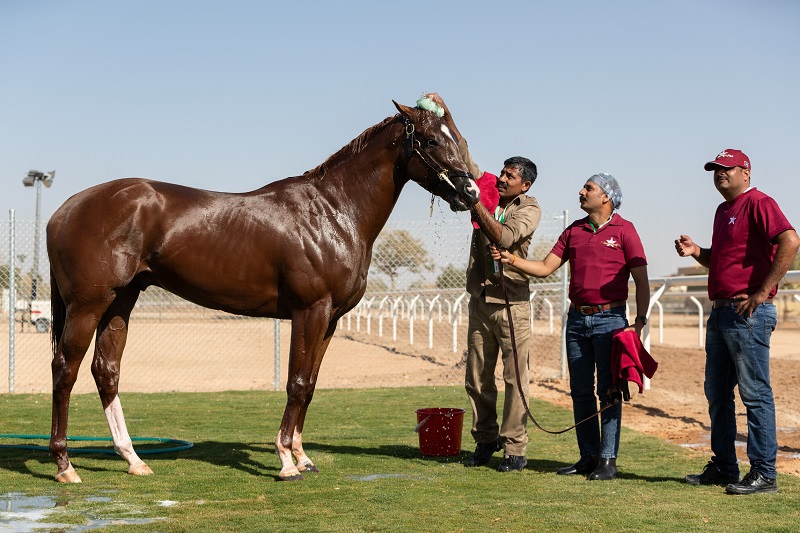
(594, 309)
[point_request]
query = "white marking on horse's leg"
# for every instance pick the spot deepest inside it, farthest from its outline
(304, 464)
(288, 469)
(122, 441)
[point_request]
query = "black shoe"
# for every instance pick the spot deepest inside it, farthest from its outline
(483, 453)
(711, 476)
(513, 463)
(585, 465)
(606, 469)
(752, 483)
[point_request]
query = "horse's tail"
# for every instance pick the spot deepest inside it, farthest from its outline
(59, 312)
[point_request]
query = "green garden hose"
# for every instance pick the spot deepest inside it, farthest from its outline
(179, 445)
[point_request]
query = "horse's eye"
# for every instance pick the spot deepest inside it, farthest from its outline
(430, 143)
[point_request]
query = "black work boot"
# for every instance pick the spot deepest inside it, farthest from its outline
(483, 453)
(585, 465)
(513, 463)
(606, 469)
(711, 476)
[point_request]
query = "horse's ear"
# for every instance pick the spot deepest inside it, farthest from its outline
(405, 110)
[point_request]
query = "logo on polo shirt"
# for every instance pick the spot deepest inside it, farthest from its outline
(611, 243)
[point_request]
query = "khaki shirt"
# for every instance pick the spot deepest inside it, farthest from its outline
(520, 220)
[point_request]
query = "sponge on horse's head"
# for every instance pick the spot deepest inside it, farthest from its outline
(429, 105)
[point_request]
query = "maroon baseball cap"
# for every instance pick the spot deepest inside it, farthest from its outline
(729, 158)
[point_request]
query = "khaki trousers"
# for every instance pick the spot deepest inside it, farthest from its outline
(488, 336)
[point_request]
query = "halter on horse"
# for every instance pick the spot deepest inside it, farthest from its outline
(296, 249)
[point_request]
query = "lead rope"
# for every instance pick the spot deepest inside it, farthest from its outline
(516, 367)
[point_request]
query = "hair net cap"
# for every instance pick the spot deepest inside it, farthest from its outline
(609, 185)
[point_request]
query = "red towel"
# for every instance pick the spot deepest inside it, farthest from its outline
(490, 198)
(629, 359)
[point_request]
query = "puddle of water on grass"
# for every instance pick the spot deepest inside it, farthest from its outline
(166, 503)
(24, 514)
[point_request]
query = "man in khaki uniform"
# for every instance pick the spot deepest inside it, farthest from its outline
(510, 226)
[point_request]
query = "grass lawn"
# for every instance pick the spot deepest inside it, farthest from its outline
(372, 477)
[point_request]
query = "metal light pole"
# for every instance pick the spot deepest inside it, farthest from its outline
(36, 178)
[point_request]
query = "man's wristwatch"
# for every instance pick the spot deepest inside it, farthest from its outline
(642, 319)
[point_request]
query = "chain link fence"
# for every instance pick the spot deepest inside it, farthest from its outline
(409, 329)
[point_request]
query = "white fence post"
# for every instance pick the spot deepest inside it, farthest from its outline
(397, 303)
(550, 306)
(530, 300)
(455, 318)
(430, 318)
(277, 331)
(412, 314)
(12, 299)
(369, 315)
(380, 316)
(700, 335)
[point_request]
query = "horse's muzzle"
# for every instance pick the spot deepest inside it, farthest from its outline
(469, 191)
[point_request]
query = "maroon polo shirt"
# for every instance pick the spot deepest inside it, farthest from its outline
(600, 263)
(742, 247)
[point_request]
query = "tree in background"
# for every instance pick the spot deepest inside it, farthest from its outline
(375, 284)
(397, 250)
(452, 277)
(5, 276)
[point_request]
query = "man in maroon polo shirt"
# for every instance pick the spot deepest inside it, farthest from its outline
(603, 251)
(752, 247)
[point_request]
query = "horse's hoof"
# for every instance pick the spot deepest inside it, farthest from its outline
(295, 477)
(140, 470)
(308, 467)
(68, 476)
(291, 477)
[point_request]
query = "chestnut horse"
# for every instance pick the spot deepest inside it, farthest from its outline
(296, 249)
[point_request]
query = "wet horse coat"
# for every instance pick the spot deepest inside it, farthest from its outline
(296, 249)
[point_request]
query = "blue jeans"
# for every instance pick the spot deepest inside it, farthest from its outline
(737, 353)
(588, 342)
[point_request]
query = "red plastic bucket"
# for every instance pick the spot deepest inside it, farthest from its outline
(439, 431)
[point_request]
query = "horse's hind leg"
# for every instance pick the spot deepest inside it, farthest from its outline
(78, 329)
(112, 334)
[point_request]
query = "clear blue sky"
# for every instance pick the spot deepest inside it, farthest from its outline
(230, 95)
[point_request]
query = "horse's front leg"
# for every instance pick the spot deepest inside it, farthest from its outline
(304, 464)
(310, 339)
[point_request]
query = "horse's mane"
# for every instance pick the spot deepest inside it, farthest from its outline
(352, 148)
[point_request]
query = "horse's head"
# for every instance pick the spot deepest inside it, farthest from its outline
(434, 161)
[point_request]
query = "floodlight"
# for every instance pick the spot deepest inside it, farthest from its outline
(31, 178)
